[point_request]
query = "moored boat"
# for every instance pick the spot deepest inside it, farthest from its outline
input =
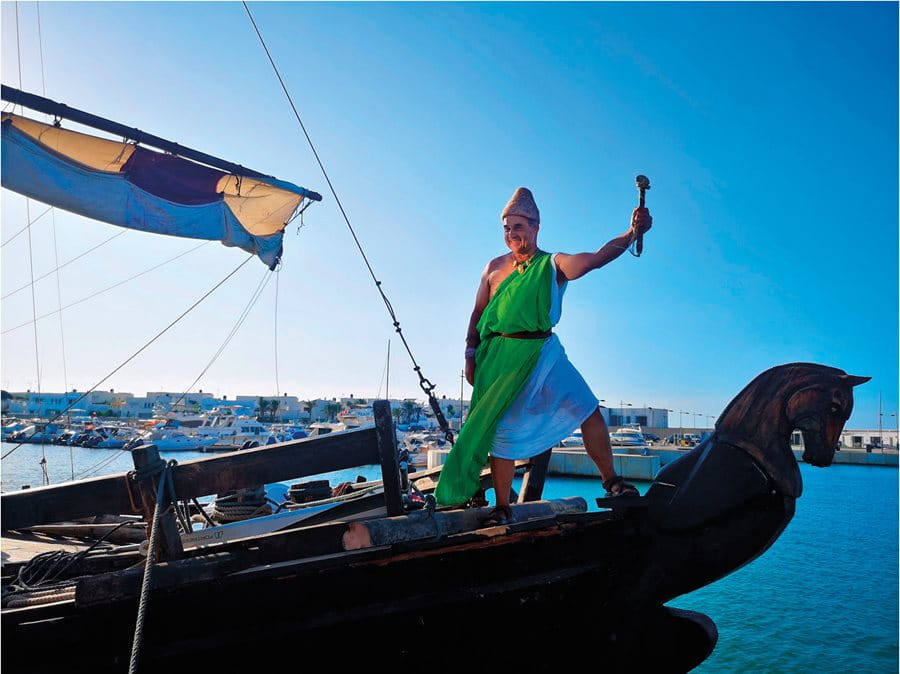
(554, 567)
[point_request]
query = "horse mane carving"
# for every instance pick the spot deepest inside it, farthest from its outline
(816, 399)
(723, 503)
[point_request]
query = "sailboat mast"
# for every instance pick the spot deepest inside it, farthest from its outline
(387, 382)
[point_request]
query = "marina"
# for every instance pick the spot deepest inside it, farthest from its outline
(750, 606)
(392, 524)
(180, 528)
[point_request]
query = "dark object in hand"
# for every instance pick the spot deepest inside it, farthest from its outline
(643, 184)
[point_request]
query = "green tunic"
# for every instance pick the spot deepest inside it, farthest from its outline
(502, 368)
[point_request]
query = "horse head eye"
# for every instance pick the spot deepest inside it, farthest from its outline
(835, 408)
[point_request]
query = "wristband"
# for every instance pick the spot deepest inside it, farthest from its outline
(470, 352)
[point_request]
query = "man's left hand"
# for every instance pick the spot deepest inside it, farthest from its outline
(641, 221)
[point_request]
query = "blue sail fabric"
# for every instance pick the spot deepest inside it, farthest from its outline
(150, 191)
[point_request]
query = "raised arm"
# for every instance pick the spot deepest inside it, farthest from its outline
(571, 267)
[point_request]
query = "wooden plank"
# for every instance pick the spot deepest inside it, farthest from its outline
(387, 449)
(272, 463)
(533, 481)
(19, 548)
(133, 533)
(67, 501)
(200, 477)
(306, 545)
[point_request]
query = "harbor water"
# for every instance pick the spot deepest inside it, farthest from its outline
(823, 598)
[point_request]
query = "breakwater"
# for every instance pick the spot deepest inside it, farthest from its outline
(640, 464)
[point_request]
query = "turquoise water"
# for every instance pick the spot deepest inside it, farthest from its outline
(823, 598)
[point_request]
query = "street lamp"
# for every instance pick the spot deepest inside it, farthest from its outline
(697, 414)
(622, 410)
(708, 417)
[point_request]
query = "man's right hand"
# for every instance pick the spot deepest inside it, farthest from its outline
(470, 371)
(641, 220)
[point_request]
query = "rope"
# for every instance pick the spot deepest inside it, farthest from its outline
(41, 49)
(243, 504)
(64, 264)
(277, 385)
(101, 464)
(25, 228)
(148, 572)
(38, 580)
(38, 598)
(424, 383)
(349, 496)
(135, 354)
(115, 285)
(263, 282)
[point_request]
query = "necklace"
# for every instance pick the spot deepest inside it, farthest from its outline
(522, 266)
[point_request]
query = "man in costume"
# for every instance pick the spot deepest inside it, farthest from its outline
(527, 396)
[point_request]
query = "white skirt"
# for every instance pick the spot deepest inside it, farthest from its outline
(555, 401)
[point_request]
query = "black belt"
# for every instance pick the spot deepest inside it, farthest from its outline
(525, 334)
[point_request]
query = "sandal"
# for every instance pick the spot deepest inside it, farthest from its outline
(501, 514)
(617, 486)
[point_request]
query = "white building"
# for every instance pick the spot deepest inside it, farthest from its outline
(869, 439)
(646, 417)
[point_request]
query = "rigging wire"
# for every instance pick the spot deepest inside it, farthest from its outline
(45, 479)
(136, 353)
(25, 228)
(62, 334)
(277, 386)
(108, 288)
(234, 329)
(64, 264)
(424, 383)
(100, 465)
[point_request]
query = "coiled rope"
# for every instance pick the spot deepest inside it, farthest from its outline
(38, 581)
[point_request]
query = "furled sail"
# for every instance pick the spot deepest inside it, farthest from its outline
(126, 184)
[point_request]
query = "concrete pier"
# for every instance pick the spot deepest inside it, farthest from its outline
(858, 457)
(574, 461)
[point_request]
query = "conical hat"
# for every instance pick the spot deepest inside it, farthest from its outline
(522, 203)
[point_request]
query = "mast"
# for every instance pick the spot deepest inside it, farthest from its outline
(62, 111)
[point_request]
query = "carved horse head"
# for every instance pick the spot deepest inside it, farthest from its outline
(815, 399)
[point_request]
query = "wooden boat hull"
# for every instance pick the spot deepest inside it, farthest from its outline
(463, 601)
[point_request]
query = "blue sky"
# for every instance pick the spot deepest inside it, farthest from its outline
(768, 130)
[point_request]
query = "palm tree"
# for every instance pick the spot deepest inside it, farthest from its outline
(263, 406)
(408, 408)
(309, 404)
(331, 410)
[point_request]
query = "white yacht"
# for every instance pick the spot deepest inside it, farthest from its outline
(172, 440)
(320, 428)
(574, 440)
(628, 436)
(12, 427)
(417, 445)
(186, 416)
(357, 416)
